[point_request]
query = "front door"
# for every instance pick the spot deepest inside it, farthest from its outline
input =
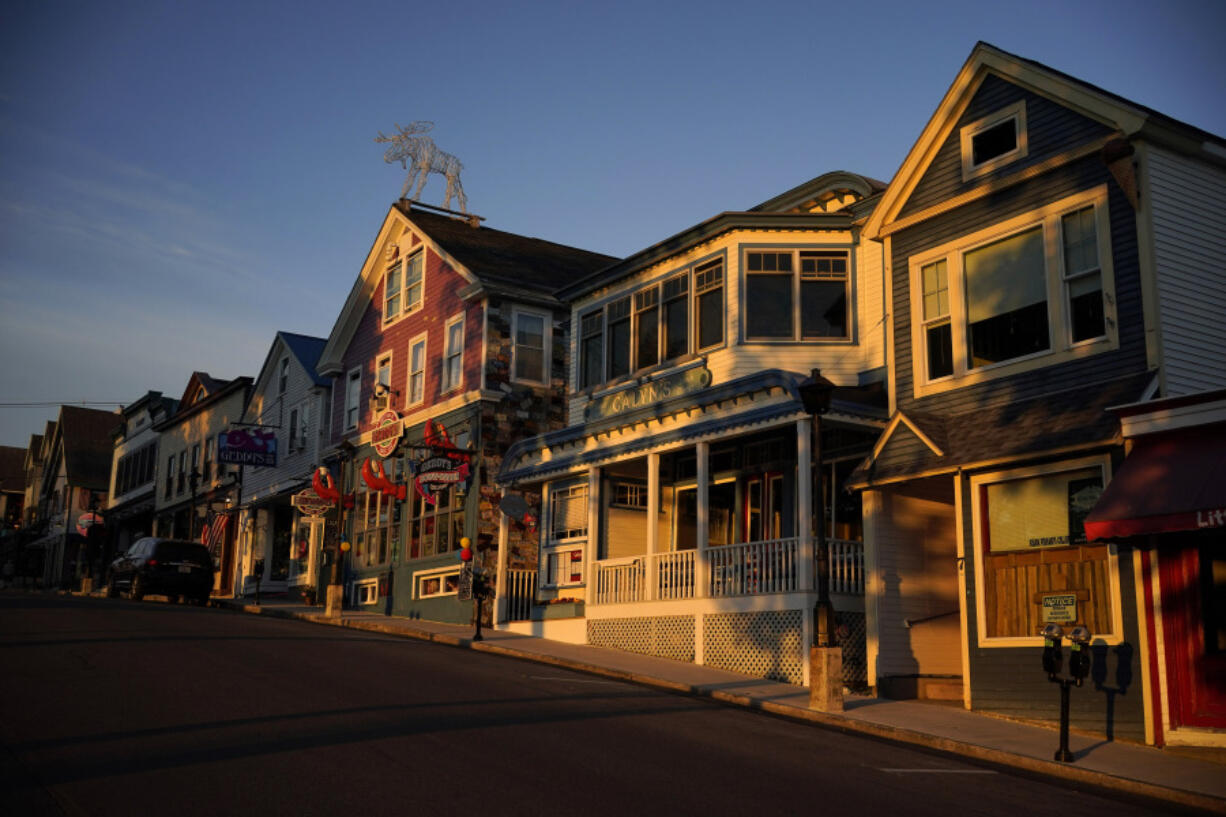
(1193, 582)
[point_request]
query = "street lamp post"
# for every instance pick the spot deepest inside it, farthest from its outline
(193, 482)
(825, 657)
(335, 593)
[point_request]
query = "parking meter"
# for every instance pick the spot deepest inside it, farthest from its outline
(1079, 654)
(1053, 655)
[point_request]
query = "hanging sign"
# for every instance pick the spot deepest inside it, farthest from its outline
(86, 521)
(647, 394)
(386, 434)
(310, 503)
(242, 447)
(464, 591)
(438, 474)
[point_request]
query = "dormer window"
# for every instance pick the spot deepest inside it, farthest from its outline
(994, 141)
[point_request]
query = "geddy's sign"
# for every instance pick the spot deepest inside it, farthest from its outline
(242, 447)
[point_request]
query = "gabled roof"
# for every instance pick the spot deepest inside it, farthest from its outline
(88, 447)
(1130, 119)
(216, 391)
(814, 194)
(1051, 423)
(12, 468)
(34, 451)
(198, 381)
(514, 264)
(303, 348)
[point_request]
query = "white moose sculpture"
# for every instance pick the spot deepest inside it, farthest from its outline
(419, 155)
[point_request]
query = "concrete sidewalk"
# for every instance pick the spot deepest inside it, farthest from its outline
(1158, 774)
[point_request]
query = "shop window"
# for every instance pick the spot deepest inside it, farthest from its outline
(435, 583)
(563, 567)
(1030, 530)
(568, 512)
(376, 528)
(435, 527)
(630, 495)
(366, 592)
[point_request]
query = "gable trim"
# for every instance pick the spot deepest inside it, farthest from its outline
(997, 185)
(889, 432)
(985, 59)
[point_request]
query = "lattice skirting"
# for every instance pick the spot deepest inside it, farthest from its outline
(852, 638)
(766, 644)
(663, 636)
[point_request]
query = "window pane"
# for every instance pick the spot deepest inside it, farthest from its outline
(768, 306)
(1086, 307)
(995, 141)
(676, 328)
(530, 347)
(619, 347)
(936, 290)
(711, 318)
(647, 342)
(940, 351)
(1080, 242)
(391, 293)
(412, 283)
(591, 350)
(1006, 293)
(823, 309)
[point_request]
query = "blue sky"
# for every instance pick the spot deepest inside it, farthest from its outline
(178, 181)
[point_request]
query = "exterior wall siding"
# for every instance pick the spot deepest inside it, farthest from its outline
(268, 407)
(1051, 129)
(1188, 203)
(914, 576)
(1011, 681)
(1127, 359)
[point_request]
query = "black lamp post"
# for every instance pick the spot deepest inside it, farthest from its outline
(193, 482)
(815, 395)
(345, 452)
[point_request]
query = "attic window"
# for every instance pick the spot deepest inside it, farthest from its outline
(994, 141)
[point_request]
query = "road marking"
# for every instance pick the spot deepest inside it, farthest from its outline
(938, 771)
(569, 680)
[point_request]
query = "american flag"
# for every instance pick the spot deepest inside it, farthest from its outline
(214, 532)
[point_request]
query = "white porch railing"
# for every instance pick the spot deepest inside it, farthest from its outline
(747, 569)
(519, 592)
(754, 568)
(620, 581)
(846, 566)
(674, 575)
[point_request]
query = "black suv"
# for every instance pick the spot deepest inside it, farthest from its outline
(163, 566)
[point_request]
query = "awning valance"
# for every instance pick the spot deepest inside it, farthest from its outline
(1169, 482)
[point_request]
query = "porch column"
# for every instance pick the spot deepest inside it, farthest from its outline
(653, 524)
(593, 533)
(500, 579)
(804, 500)
(701, 495)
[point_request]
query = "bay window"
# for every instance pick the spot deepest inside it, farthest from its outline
(647, 327)
(797, 295)
(1031, 291)
(591, 349)
(619, 338)
(709, 294)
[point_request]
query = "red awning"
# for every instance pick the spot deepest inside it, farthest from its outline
(1171, 482)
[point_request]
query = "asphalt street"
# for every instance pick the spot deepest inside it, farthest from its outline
(113, 707)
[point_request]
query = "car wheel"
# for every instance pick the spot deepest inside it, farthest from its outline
(137, 591)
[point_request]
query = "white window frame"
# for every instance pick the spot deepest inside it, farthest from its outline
(386, 400)
(366, 592)
(413, 305)
(420, 577)
(451, 352)
(978, 483)
(283, 376)
(399, 266)
(353, 398)
(1059, 349)
(414, 399)
(967, 134)
(797, 335)
(546, 341)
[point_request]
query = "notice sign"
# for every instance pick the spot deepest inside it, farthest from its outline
(1059, 608)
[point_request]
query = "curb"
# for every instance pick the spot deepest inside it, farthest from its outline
(984, 754)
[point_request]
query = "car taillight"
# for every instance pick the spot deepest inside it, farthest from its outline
(152, 562)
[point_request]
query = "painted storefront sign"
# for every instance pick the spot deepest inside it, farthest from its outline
(387, 432)
(666, 388)
(310, 503)
(247, 447)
